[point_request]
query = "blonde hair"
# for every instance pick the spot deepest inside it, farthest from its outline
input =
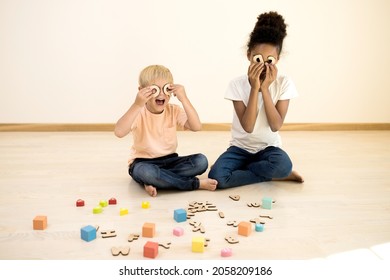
(153, 72)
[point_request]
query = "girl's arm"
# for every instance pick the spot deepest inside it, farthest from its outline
(123, 125)
(193, 122)
(248, 114)
(275, 113)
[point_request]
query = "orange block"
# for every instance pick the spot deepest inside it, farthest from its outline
(40, 222)
(148, 230)
(151, 249)
(244, 228)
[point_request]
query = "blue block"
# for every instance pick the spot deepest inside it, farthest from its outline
(180, 215)
(266, 203)
(259, 227)
(88, 233)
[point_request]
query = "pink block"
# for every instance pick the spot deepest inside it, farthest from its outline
(226, 252)
(178, 231)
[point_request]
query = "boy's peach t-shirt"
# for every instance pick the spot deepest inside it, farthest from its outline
(154, 135)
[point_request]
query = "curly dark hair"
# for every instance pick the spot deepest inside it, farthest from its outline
(270, 28)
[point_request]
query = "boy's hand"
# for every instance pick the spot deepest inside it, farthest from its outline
(178, 91)
(143, 96)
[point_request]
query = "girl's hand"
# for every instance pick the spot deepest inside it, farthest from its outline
(178, 91)
(271, 74)
(254, 72)
(143, 96)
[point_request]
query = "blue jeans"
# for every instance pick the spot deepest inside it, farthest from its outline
(169, 172)
(237, 167)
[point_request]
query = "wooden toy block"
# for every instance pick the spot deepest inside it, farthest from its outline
(165, 245)
(88, 233)
(231, 239)
(123, 211)
(80, 203)
(253, 204)
(232, 223)
(151, 249)
(103, 203)
(235, 197)
(180, 215)
(145, 204)
(198, 244)
(257, 221)
(132, 237)
(226, 252)
(206, 242)
(259, 227)
(178, 231)
(266, 216)
(116, 251)
(221, 215)
(97, 210)
(266, 203)
(40, 223)
(244, 228)
(112, 201)
(108, 233)
(148, 230)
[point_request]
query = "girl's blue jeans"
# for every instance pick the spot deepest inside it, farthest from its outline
(169, 172)
(237, 167)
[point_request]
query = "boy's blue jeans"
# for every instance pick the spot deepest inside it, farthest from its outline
(237, 167)
(169, 172)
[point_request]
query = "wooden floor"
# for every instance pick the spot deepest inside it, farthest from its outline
(341, 211)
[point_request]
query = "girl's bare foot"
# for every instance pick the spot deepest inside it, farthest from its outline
(208, 184)
(294, 176)
(152, 191)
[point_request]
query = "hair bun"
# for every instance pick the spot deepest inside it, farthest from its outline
(270, 28)
(272, 21)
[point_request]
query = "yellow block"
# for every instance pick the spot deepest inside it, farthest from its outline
(198, 244)
(123, 211)
(145, 204)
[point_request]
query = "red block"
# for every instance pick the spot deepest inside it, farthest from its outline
(80, 203)
(151, 250)
(112, 201)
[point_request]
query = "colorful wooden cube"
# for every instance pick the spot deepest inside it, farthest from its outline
(259, 227)
(80, 203)
(40, 223)
(103, 203)
(266, 203)
(178, 231)
(226, 252)
(97, 210)
(123, 211)
(180, 215)
(198, 244)
(244, 228)
(148, 230)
(88, 233)
(112, 201)
(151, 250)
(145, 204)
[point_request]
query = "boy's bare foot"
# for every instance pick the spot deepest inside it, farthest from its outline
(208, 184)
(152, 191)
(294, 176)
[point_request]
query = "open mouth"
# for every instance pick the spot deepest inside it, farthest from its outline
(160, 102)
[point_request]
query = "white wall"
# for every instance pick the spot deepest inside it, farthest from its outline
(77, 61)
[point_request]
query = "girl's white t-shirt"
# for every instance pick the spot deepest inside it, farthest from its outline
(262, 136)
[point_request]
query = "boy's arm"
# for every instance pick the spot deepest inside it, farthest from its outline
(193, 122)
(123, 125)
